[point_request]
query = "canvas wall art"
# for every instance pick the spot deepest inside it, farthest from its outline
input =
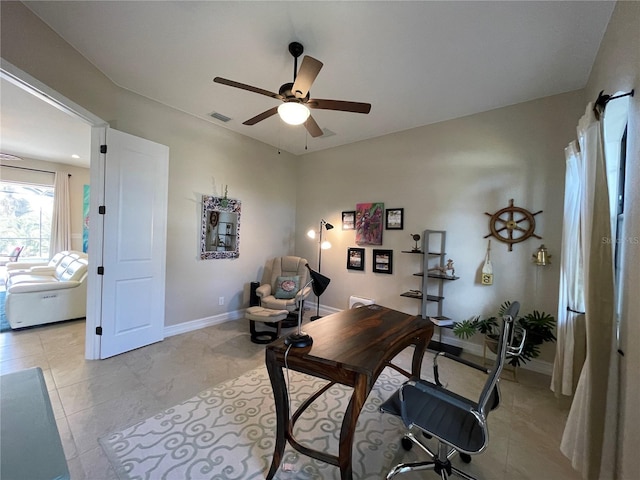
(369, 223)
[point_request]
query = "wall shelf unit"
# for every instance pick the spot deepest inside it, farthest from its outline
(431, 292)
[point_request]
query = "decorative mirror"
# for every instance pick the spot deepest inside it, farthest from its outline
(220, 231)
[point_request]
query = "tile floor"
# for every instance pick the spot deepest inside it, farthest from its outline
(93, 398)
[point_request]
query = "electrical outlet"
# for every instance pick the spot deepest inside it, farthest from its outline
(220, 300)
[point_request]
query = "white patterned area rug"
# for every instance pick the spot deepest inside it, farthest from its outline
(227, 432)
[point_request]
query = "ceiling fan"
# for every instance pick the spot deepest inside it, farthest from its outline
(295, 96)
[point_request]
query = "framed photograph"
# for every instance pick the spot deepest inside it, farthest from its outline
(383, 261)
(369, 223)
(349, 220)
(355, 258)
(395, 219)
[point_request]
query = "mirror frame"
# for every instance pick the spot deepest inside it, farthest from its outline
(218, 204)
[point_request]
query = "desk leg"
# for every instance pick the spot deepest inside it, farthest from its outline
(348, 429)
(418, 355)
(282, 410)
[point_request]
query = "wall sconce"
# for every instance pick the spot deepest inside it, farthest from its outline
(542, 258)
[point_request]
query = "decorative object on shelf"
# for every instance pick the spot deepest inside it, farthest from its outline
(369, 223)
(519, 223)
(349, 220)
(487, 269)
(538, 325)
(441, 321)
(394, 219)
(416, 238)
(542, 258)
(220, 229)
(319, 284)
(322, 245)
(355, 258)
(444, 270)
(383, 261)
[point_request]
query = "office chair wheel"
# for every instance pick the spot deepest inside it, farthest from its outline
(465, 457)
(406, 443)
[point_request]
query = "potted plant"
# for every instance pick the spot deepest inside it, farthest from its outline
(539, 327)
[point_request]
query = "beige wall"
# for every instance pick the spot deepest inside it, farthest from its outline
(617, 69)
(79, 178)
(446, 176)
(203, 158)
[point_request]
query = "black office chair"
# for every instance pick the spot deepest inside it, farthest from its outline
(459, 424)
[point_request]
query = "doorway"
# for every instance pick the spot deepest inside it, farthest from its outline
(129, 175)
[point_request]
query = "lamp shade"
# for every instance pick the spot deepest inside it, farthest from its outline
(320, 282)
(293, 113)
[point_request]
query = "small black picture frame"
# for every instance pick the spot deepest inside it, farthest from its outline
(383, 261)
(355, 258)
(394, 219)
(349, 220)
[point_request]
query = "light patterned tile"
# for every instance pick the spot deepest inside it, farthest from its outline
(91, 465)
(97, 390)
(90, 424)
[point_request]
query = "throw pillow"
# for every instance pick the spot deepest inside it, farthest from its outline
(287, 287)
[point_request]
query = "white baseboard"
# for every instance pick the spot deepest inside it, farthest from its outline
(534, 365)
(193, 325)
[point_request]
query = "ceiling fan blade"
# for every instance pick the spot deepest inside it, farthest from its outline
(262, 116)
(313, 128)
(342, 105)
(243, 86)
(306, 75)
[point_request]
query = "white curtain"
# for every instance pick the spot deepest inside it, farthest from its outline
(571, 331)
(61, 220)
(590, 433)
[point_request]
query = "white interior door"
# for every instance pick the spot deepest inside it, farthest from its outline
(134, 243)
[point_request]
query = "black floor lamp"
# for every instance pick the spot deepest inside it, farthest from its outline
(319, 284)
(321, 246)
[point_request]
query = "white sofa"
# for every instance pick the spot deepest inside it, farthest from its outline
(38, 294)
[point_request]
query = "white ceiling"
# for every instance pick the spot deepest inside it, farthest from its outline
(416, 62)
(32, 128)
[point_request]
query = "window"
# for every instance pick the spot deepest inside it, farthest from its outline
(615, 150)
(25, 218)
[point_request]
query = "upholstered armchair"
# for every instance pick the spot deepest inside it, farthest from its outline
(282, 280)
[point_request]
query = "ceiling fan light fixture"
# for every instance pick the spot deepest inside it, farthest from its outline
(293, 113)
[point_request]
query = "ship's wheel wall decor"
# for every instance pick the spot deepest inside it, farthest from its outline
(512, 224)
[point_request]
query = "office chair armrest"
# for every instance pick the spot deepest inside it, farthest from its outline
(436, 375)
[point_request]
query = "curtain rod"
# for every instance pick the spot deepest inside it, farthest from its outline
(31, 169)
(602, 100)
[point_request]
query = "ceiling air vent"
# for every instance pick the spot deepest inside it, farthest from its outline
(327, 133)
(219, 116)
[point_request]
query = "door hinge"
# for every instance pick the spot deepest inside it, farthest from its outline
(103, 149)
(102, 209)
(98, 330)
(100, 270)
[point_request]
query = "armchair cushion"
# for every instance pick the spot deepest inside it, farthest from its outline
(289, 266)
(287, 287)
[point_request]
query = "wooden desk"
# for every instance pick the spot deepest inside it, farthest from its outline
(351, 348)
